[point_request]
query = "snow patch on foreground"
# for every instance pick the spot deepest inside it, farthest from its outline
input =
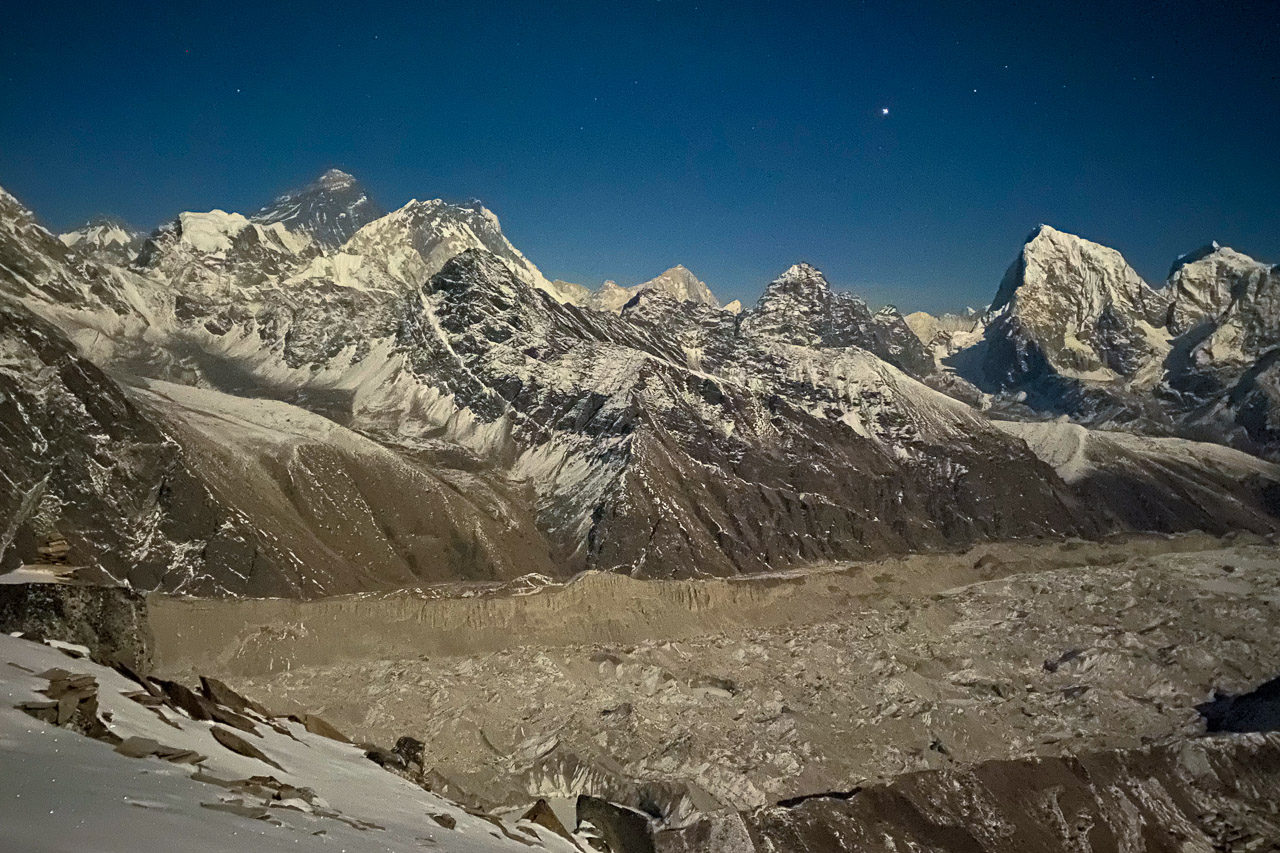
(1076, 452)
(61, 791)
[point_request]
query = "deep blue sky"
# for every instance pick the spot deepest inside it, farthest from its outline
(615, 140)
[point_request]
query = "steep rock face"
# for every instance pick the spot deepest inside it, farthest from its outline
(1212, 794)
(1228, 304)
(216, 256)
(95, 304)
(800, 308)
(191, 491)
(1075, 309)
(828, 454)
(1221, 376)
(683, 285)
(329, 209)
(84, 465)
(1074, 330)
(672, 439)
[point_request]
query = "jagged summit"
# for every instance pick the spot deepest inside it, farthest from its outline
(108, 237)
(801, 281)
(800, 308)
(802, 272)
(1076, 309)
(330, 209)
(454, 422)
(417, 240)
(1217, 287)
(1054, 261)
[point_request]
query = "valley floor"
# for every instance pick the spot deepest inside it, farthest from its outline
(696, 696)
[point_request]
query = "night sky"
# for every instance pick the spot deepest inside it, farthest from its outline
(615, 140)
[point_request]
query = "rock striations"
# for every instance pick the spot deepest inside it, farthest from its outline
(320, 399)
(1074, 330)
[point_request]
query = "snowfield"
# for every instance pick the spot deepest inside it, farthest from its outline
(61, 791)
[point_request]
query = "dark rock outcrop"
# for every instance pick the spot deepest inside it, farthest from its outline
(110, 621)
(1210, 794)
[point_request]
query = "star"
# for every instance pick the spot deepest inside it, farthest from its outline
(884, 111)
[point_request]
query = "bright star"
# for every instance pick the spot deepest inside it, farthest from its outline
(884, 111)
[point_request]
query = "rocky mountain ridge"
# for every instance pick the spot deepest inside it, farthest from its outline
(306, 390)
(1074, 330)
(109, 238)
(677, 282)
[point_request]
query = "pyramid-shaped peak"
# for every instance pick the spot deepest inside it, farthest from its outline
(335, 179)
(1050, 238)
(331, 208)
(680, 283)
(1044, 231)
(799, 279)
(801, 285)
(802, 271)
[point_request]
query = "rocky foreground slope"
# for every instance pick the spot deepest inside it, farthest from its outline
(100, 758)
(317, 399)
(1014, 697)
(1214, 795)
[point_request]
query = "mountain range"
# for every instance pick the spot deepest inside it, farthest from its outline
(1075, 331)
(322, 397)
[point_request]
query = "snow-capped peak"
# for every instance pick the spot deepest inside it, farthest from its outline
(335, 179)
(212, 231)
(103, 234)
(416, 241)
(329, 209)
(1206, 283)
(801, 271)
(678, 283)
(1210, 248)
(800, 281)
(682, 284)
(1078, 270)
